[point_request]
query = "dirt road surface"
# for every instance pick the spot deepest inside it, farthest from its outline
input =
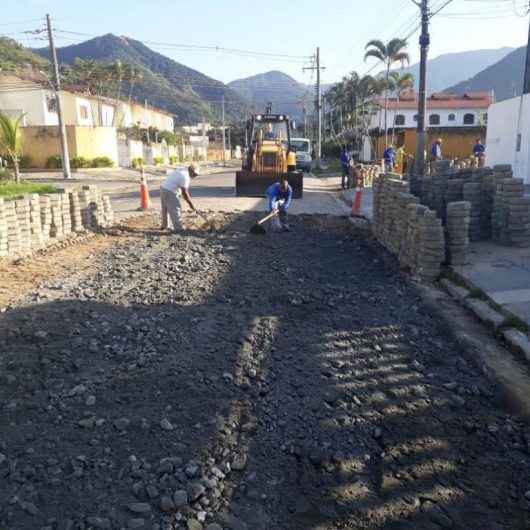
(219, 380)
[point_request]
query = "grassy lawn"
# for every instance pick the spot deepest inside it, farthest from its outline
(12, 189)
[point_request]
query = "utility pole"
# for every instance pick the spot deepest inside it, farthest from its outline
(526, 84)
(224, 134)
(422, 96)
(318, 105)
(57, 88)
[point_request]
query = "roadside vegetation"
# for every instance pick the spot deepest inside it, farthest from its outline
(10, 188)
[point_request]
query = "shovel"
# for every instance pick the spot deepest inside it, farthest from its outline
(257, 229)
(207, 222)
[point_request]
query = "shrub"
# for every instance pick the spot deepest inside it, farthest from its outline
(5, 175)
(102, 161)
(54, 162)
(24, 162)
(158, 160)
(173, 159)
(137, 162)
(80, 162)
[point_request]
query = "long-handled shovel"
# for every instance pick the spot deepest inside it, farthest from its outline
(257, 229)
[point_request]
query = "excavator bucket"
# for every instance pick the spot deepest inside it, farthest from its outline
(252, 184)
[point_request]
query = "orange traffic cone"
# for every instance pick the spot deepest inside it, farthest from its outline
(145, 201)
(356, 203)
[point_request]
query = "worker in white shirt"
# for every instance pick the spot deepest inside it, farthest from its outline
(175, 186)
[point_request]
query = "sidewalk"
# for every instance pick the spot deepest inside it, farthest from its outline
(503, 273)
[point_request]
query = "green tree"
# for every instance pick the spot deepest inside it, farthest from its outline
(399, 84)
(389, 54)
(11, 140)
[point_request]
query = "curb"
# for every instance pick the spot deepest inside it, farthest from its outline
(497, 321)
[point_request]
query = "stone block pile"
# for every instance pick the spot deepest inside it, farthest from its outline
(412, 232)
(511, 215)
(473, 195)
(31, 222)
(457, 232)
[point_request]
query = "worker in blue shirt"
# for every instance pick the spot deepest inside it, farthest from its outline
(479, 150)
(280, 196)
(390, 158)
(345, 162)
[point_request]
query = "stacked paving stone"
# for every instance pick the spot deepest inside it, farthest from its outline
(3, 230)
(29, 222)
(431, 251)
(56, 228)
(457, 232)
(412, 232)
(108, 212)
(45, 216)
(13, 233)
(37, 238)
(75, 212)
(473, 194)
(511, 222)
(65, 213)
(24, 224)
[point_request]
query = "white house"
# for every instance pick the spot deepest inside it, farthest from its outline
(443, 110)
(508, 136)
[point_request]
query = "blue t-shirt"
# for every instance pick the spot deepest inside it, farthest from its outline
(390, 154)
(275, 194)
(479, 149)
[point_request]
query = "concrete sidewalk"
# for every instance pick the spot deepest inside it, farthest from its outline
(503, 273)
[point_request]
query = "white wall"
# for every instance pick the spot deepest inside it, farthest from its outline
(33, 103)
(378, 120)
(501, 142)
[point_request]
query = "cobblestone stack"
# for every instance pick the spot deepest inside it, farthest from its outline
(457, 232)
(411, 231)
(37, 238)
(75, 212)
(3, 230)
(24, 223)
(45, 216)
(29, 223)
(473, 195)
(511, 217)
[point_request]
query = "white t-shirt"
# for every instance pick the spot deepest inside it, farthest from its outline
(180, 178)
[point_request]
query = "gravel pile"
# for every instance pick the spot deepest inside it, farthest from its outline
(222, 381)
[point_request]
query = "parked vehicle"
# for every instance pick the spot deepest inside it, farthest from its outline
(302, 147)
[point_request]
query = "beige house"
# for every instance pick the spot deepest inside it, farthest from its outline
(38, 104)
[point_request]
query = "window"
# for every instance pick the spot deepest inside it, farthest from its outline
(451, 117)
(519, 142)
(485, 118)
(469, 119)
(400, 119)
(83, 112)
(51, 103)
(415, 117)
(434, 119)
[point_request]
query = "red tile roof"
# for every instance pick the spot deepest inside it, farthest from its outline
(441, 100)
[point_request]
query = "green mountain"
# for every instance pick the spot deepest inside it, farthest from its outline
(285, 93)
(451, 68)
(14, 56)
(166, 84)
(505, 77)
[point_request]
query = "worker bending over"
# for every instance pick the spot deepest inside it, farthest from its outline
(280, 196)
(175, 186)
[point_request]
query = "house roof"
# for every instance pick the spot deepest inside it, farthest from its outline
(440, 100)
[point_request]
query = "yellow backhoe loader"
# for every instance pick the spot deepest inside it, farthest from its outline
(268, 156)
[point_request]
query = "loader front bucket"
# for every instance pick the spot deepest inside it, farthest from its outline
(251, 184)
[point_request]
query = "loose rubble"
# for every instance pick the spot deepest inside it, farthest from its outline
(305, 383)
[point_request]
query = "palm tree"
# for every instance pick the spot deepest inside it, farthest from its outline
(389, 53)
(399, 83)
(11, 140)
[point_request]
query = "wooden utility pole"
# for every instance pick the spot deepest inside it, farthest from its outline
(422, 96)
(57, 88)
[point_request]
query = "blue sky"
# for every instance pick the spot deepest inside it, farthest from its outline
(293, 27)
